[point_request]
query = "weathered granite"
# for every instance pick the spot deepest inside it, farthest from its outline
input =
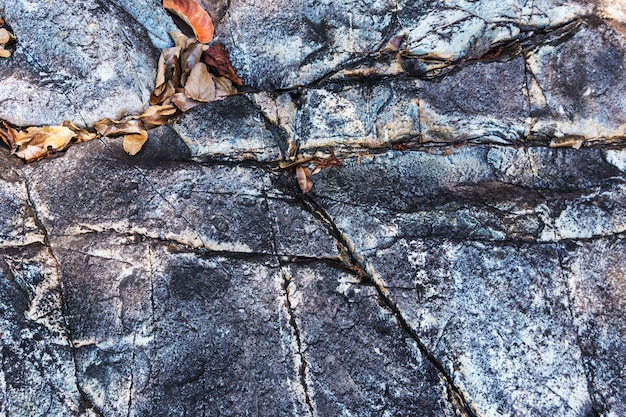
(453, 265)
(75, 60)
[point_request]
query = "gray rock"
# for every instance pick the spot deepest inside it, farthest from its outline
(457, 263)
(79, 61)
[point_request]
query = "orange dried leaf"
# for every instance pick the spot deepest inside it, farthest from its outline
(195, 16)
(200, 84)
(134, 142)
(216, 57)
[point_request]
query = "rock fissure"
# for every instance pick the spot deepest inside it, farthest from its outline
(456, 395)
(302, 365)
(131, 385)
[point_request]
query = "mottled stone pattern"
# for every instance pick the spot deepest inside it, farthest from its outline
(464, 255)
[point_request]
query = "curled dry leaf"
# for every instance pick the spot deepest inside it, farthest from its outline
(39, 142)
(183, 102)
(134, 142)
(157, 115)
(200, 84)
(303, 174)
(216, 57)
(195, 16)
(82, 135)
(108, 127)
(5, 36)
(190, 56)
(223, 87)
(4, 53)
(8, 135)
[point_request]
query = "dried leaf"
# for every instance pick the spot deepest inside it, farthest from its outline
(183, 102)
(189, 57)
(303, 174)
(40, 142)
(1, 21)
(223, 87)
(200, 84)
(181, 40)
(162, 93)
(195, 16)
(8, 135)
(134, 142)
(216, 57)
(82, 135)
(157, 115)
(108, 127)
(5, 36)
(4, 53)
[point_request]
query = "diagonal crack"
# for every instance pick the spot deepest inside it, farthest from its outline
(355, 263)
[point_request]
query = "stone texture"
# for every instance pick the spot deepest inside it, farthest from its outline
(81, 61)
(466, 258)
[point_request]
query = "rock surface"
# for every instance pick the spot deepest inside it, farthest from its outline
(462, 251)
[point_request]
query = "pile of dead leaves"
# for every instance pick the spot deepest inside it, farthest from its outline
(6, 38)
(189, 74)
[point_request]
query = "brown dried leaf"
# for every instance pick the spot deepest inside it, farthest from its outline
(5, 36)
(181, 40)
(303, 174)
(82, 135)
(224, 87)
(162, 93)
(190, 56)
(216, 57)
(8, 135)
(108, 127)
(183, 102)
(1, 21)
(200, 84)
(40, 142)
(157, 115)
(134, 142)
(4, 53)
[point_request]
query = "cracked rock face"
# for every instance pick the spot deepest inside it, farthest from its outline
(462, 251)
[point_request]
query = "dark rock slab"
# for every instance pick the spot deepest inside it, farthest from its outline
(387, 376)
(575, 90)
(37, 370)
(229, 129)
(596, 273)
(168, 331)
